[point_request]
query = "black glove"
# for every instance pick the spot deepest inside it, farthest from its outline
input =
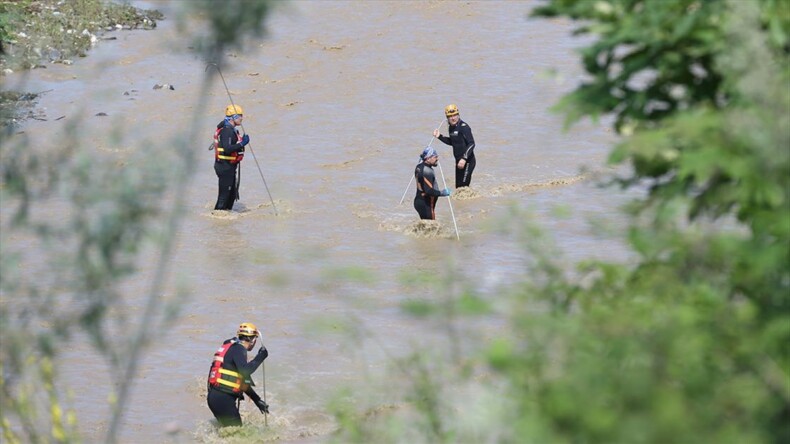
(263, 351)
(262, 406)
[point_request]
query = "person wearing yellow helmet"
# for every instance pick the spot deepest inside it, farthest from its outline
(463, 144)
(230, 376)
(228, 152)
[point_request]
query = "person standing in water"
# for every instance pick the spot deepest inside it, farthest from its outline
(228, 152)
(230, 376)
(427, 189)
(463, 144)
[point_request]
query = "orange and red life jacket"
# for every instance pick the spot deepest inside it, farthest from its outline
(222, 379)
(219, 152)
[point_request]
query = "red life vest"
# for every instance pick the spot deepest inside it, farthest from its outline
(219, 152)
(222, 379)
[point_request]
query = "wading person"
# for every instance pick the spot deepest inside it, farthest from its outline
(228, 152)
(463, 146)
(230, 376)
(427, 189)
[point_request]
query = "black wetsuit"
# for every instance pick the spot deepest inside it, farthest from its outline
(224, 405)
(226, 171)
(427, 191)
(463, 148)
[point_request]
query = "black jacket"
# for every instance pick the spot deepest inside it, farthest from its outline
(462, 141)
(236, 360)
(426, 181)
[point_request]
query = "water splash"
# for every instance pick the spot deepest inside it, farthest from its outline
(465, 193)
(429, 229)
(241, 210)
(289, 426)
(518, 188)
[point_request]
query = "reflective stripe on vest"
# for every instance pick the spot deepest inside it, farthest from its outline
(234, 382)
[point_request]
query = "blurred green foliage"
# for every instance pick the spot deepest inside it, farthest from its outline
(690, 344)
(230, 23)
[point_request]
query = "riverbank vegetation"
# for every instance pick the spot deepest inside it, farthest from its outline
(15, 107)
(36, 32)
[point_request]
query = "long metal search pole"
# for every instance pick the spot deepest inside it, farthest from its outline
(265, 415)
(412, 176)
(245, 132)
(449, 202)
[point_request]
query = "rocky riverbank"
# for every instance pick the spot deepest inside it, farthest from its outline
(36, 33)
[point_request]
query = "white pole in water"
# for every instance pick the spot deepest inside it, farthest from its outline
(412, 176)
(263, 375)
(449, 202)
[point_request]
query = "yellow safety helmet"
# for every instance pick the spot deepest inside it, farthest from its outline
(248, 329)
(450, 110)
(231, 110)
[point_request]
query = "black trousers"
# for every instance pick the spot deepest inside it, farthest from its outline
(425, 207)
(226, 196)
(225, 407)
(463, 177)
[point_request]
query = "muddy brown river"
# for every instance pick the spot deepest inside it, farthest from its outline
(339, 101)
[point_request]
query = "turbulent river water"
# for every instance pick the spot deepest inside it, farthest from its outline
(339, 101)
